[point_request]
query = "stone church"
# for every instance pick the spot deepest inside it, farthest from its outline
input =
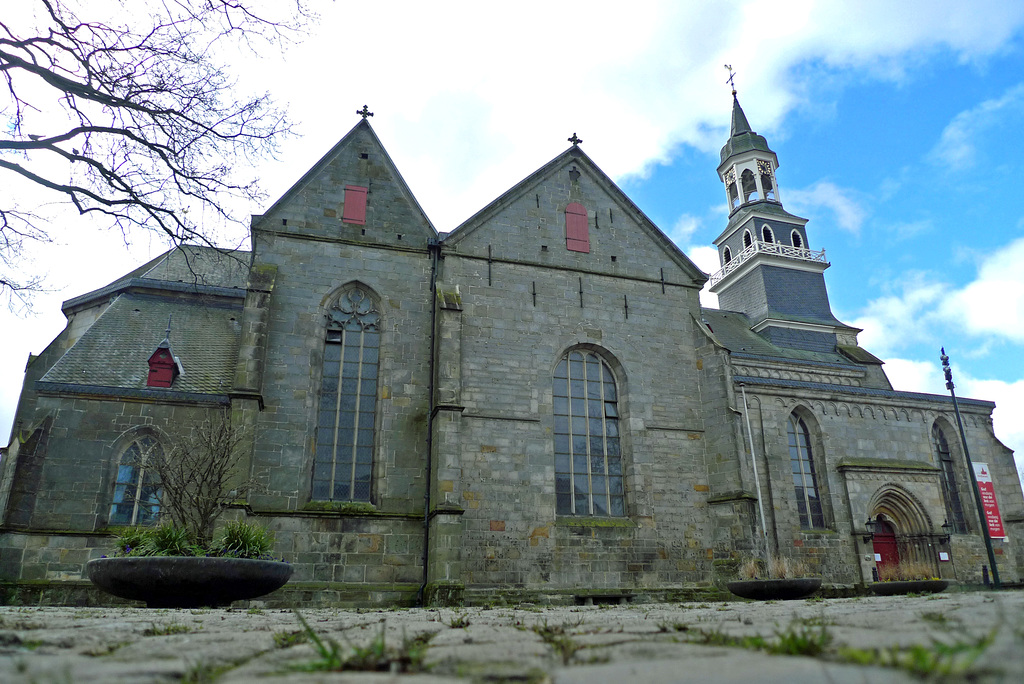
(532, 407)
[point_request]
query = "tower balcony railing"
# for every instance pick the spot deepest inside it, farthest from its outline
(773, 248)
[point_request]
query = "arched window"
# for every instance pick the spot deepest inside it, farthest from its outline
(343, 463)
(749, 185)
(950, 492)
(805, 482)
(730, 184)
(796, 239)
(747, 240)
(766, 233)
(588, 462)
(726, 255)
(137, 490)
(765, 171)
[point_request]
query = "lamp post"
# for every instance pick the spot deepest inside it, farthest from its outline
(970, 468)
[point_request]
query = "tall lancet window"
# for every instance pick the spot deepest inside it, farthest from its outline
(588, 462)
(805, 481)
(951, 493)
(767, 185)
(343, 463)
(137, 490)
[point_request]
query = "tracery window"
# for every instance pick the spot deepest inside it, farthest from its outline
(136, 489)
(805, 481)
(588, 461)
(343, 463)
(950, 492)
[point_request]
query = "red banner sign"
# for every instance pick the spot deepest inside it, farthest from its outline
(988, 500)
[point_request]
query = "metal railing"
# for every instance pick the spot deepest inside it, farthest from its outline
(773, 248)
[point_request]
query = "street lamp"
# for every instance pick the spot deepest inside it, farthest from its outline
(944, 538)
(871, 526)
(970, 468)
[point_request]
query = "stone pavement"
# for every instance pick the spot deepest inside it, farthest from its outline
(976, 636)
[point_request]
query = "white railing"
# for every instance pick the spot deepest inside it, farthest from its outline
(773, 248)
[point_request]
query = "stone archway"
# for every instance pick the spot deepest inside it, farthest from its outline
(904, 532)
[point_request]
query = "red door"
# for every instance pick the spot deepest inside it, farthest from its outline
(885, 545)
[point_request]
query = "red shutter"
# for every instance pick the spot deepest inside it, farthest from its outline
(577, 229)
(355, 205)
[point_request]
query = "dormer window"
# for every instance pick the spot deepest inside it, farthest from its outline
(164, 366)
(797, 240)
(766, 234)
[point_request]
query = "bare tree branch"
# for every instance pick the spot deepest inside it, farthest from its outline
(138, 119)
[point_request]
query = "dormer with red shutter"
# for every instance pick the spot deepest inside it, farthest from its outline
(164, 366)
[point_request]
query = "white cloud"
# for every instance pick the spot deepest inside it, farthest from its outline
(893, 322)
(993, 303)
(957, 148)
(683, 229)
(843, 204)
(915, 376)
(471, 97)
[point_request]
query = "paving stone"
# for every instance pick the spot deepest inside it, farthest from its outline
(642, 643)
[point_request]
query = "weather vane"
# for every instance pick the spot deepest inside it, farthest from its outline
(732, 75)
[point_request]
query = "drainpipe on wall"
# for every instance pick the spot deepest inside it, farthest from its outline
(434, 246)
(757, 480)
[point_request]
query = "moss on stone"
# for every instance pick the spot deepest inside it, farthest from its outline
(594, 522)
(344, 507)
(899, 464)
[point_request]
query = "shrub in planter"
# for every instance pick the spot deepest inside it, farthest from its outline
(907, 577)
(779, 579)
(179, 563)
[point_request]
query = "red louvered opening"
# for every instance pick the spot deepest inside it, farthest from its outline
(355, 205)
(577, 230)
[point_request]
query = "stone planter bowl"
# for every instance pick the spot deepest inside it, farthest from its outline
(187, 582)
(932, 586)
(775, 589)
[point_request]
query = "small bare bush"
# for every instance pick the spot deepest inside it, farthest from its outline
(906, 571)
(779, 567)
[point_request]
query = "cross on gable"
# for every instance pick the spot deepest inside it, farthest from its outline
(574, 140)
(364, 112)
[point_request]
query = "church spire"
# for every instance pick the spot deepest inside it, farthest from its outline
(748, 164)
(740, 124)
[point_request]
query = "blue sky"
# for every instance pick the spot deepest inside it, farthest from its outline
(897, 125)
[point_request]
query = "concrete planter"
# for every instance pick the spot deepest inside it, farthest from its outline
(775, 589)
(932, 586)
(187, 582)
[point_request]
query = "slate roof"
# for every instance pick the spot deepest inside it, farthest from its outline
(114, 351)
(741, 137)
(189, 268)
(732, 330)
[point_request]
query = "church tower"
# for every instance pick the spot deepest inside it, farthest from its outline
(769, 272)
